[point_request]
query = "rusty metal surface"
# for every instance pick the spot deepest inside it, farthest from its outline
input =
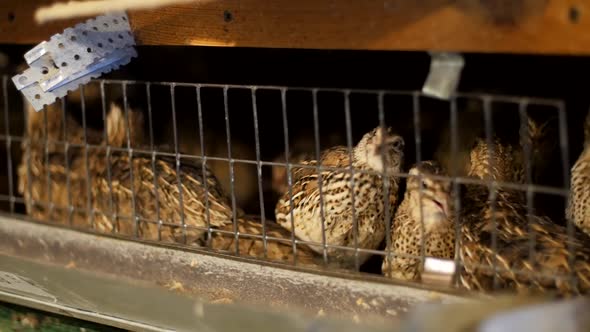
(213, 278)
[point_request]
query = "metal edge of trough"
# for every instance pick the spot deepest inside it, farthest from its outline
(215, 279)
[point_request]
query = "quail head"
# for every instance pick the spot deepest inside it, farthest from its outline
(540, 135)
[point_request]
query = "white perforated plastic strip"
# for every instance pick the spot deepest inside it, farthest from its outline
(74, 57)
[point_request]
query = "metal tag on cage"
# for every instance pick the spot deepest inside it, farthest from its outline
(444, 75)
(74, 57)
(438, 271)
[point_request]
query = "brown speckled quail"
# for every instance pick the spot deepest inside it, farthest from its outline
(530, 252)
(538, 133)
(279, 246)
(118, 126)
(541, 135)
(50, 131)
(245, 180)
(578, 209)
(303, 148)
(280, 177)
(122, 191)
(423, 223)
(505, 160)
(337, 196)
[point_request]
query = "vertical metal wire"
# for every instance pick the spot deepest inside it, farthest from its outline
(89, 209)
(386, 182)
(417, 131)
(316, 131)
(456, 188)
(204, 165)
(177, 154)
(231, 170)
(525, 137)
(259, 170)
(64, 119)
(418, 141)
(153, 159)
(565, 167)
(130, 154)
(8, 144)
(113, 215)
(491, 183)
(355, 228)
(29, 147)
(49, 203)
(289, 175)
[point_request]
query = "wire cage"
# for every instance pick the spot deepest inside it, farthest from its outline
(469, 193)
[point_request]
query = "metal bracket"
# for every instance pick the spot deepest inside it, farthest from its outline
(444, 75)
(74, 57)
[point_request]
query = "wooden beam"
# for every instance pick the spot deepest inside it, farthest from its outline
(510, 26)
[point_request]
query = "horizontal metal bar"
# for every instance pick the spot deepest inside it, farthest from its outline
(409, 93)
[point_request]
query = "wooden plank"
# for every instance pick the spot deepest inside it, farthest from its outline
(512, 26)
(18, 27)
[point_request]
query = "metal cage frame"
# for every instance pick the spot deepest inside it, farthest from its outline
(60, 245)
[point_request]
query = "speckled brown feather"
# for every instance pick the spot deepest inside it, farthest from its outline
(119, 126)
(548, 269)
(142, 192)
(541, 137)
(47, 130)
(336, 157)
(578, 209)
(279, 246)
(538, 133)
(511, 165)
(57, 130)
(415, 233)
(300, 152)
(506, 161)
(336, 197)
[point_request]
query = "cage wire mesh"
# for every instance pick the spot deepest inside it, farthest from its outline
(470, 192)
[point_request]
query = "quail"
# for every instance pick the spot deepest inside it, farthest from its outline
(43, 178)
(578, 209)
(128, 195)
(499, 162)
(345, 198)
(537, 133)
(423, 224)
(502, 246)
(250, 242)
(171, 200)
(280, 178)
(303, 148)
(121, 127)
(540, 135)
(245, 178)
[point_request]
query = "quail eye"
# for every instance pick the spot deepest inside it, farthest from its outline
(423, 184)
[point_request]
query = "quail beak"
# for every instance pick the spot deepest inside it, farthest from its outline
(383, 148)
(442, 204)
